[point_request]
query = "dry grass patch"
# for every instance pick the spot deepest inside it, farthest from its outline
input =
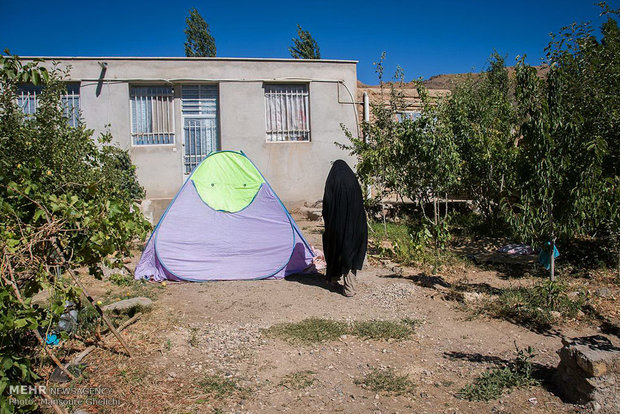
(320, 330)
(308, 331)
(386, 381)
(219, 387)
(299, 380)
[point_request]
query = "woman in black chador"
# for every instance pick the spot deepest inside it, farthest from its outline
(346, 232)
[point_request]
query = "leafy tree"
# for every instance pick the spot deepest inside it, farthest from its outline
(304, 46)
(568, 182)
(482, 117)
(66, 201)
(199, 40)
(413, 159)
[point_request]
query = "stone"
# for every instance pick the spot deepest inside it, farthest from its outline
(555, 315)
(588, 371)
(312, 214)
(472, 297)
(129, 304)
(603, 292)
(109, 271)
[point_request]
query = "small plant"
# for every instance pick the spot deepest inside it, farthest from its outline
(386, 381)
(168, 345)
(193, 338)
(299, 380)
(88, 321)
(120, 280)
(493, 383)
(132, 376)
(218, 386)
(382, 330)
(532, 307)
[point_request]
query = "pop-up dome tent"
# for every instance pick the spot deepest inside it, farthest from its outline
(225, 223)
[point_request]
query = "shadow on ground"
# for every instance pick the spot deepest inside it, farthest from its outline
(314, 279)
(431, 282)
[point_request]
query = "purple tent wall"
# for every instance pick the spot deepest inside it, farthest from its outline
(196, 243)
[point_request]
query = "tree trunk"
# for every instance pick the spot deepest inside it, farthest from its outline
(552, 268)
(436, 211)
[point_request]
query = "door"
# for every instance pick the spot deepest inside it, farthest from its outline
(199, 110)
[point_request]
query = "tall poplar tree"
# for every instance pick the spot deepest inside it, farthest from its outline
(199, 42)
(304, 46)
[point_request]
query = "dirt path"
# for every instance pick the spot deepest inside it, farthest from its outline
(197, 330)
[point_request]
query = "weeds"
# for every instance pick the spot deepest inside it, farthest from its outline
(386, 381)
(87, 321)
(320, 330)
(308, 331)
(219, 387)
(493, 383)
(409, 244)
(299, 380)
(193, 338)
(533, 307)
(120, 280)
(381, 330)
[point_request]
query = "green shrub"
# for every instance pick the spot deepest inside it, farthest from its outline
(532, 307)
(493, 383)
(66, 202)
(120, 280)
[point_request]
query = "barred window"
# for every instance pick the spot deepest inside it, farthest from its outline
(28, 101)
(286, 112)
(410, 115)
(199, 107)
(152, 115)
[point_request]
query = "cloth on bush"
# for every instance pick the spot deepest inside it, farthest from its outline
(346, 233)
(516, 249)
(545, 258)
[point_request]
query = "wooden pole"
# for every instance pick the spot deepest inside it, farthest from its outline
(57, 409)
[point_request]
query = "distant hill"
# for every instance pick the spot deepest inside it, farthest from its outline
(448, 81)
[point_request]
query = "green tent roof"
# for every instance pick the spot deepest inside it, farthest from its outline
(227, 181)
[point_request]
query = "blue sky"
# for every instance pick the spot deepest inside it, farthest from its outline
(424, 37)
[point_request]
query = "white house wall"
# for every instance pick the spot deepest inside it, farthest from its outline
(296, 170)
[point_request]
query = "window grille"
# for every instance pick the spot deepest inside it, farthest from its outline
(286, 112)
(152, 115)
(199, 100)
(28, 101)
(199, 110)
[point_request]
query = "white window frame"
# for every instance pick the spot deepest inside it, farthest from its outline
(171, 122)
(305, 95)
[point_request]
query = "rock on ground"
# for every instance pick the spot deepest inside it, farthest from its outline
(129, 304)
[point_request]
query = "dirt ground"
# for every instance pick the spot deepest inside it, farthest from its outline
(196, 330)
